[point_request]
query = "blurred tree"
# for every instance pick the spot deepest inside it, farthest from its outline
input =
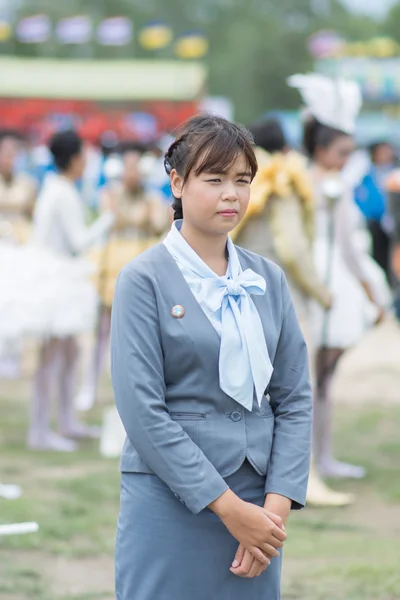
(391, 25)
(254, 45)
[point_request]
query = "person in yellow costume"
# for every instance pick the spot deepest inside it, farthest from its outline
(141, 218)
(279, 225)
(17, 193)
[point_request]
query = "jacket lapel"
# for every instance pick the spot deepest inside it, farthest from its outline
(179, 293)
(176, 291)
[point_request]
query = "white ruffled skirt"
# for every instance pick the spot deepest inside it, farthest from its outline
(43, 294)
(351, 313)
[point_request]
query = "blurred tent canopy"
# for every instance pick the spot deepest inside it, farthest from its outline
(102, 80)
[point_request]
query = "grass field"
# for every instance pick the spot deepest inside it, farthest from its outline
(349, 554)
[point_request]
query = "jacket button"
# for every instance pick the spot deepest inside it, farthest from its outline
(177, 496)
(236, 415)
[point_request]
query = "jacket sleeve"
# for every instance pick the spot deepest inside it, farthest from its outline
(79, 236)
(293, 249)
(139, 388)
(291, 400)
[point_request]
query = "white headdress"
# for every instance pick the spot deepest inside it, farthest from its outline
(333, 102)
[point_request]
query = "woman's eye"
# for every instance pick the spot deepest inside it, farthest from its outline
(214, 180)
(244, 181)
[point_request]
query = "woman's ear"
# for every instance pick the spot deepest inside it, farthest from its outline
(176, 183)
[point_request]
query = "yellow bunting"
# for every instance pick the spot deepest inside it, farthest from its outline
(356, 49)
(155, 36)
(191, 46)
(382, 47)
(377, 47)
(5, 31)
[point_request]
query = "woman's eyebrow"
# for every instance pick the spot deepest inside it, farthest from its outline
(225, 172)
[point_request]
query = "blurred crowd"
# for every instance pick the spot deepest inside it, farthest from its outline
(81, 213)
(103, 163)
(71, 204)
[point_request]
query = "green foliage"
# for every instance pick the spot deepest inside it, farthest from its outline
(254, 45)
(350, 553)
(391, 26)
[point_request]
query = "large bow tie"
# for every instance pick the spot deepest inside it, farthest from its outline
(214, 289)
(244, 363)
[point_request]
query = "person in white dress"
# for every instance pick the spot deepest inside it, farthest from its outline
(17, 199)
(140, 219)
(60, 230)
(332, 108)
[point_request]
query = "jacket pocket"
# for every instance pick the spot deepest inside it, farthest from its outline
(187, 416)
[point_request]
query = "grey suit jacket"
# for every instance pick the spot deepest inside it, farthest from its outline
(180, 425)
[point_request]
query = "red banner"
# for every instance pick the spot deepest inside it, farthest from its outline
(39, 119)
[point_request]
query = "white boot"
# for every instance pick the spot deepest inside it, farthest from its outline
(320, 495)
(85, 399)
(50, 441)
(9, 491)
(112, 435)
(329, 467)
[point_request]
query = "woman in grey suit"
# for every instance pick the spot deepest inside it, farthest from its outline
(211, 381)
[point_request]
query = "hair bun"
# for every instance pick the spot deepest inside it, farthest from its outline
(167, 164)
(170, 155)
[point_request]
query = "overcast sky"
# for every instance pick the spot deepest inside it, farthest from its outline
(372, 7)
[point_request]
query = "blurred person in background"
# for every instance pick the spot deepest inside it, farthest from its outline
(393, 190)
(17, 190)
(156, 176)
(329, 123)
(47, 294)
(371, 198)
(279, 225)
(107, 146)
(17, 200)
(139, 214)
(60, 227)
(141, 217)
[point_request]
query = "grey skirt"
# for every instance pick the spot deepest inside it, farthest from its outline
(164, 552)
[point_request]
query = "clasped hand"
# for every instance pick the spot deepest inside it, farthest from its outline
(253, 562)
(260, 534)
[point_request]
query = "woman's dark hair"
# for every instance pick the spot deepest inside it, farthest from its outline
(318, 135)
(375, 146)
(268, 135)
(10, 134)
(64, 146)
(208, 143)
(132, 146)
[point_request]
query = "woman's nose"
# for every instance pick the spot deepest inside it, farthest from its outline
(230, 193)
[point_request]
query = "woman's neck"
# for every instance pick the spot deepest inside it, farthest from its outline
(68, 175)
(320, 172)
(210, 248)
(7, 177)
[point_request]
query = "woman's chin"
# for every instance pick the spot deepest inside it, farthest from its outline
(227, 224)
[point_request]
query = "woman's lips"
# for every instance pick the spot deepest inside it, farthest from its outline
(228, 213)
